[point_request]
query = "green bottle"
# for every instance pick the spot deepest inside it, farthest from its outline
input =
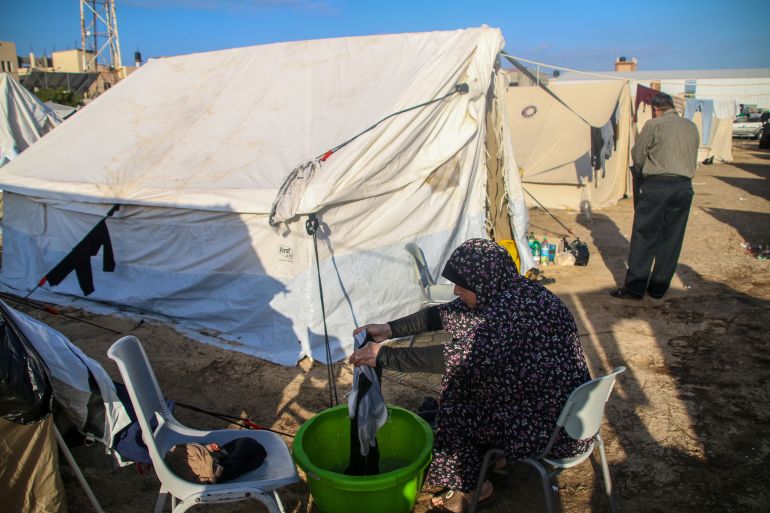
(536, 250)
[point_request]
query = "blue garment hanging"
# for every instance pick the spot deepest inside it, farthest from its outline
(706, 108)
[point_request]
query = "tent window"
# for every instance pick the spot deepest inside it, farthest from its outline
(689, 88)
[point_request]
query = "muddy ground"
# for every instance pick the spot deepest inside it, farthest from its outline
(686, 427)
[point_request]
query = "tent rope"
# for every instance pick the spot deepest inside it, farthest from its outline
(458, 88)
(543, 86)
(241, 421)
(54, 311)
(308, 168)
(311, 226)
(550, 214)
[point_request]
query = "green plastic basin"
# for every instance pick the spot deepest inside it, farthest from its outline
(322, 450)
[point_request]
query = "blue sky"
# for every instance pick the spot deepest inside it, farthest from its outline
(673, 34)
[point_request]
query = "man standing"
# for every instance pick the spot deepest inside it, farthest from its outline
(666, 152)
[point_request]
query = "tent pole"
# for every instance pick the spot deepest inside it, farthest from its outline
(311, 226)
(73, 464)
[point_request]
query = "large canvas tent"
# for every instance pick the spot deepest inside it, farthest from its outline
(552, 142)
(23, 118)
(196, 149)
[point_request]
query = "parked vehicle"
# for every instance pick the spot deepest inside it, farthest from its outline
(747, 129)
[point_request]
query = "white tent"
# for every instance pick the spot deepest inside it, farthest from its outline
(72, 373)
(552, 142)
(23, 118)
(63, 111)
(196, 148)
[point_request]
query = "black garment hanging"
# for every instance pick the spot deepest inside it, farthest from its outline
(79, 259)
(597, 144)
(361, 465)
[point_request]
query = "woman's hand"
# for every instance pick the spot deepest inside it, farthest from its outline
(378, 332)
(366, 355)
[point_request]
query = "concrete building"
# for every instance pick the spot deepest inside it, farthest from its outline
(623, 64)
(747, 86)
(71, 61)
(9, 60)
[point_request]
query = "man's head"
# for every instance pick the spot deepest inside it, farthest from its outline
(661, 103)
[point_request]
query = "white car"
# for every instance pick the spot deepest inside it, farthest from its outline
(747, 129)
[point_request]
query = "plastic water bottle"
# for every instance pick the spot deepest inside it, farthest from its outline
(536, 250)
(544, 251)
(531, 240)
(551, 253)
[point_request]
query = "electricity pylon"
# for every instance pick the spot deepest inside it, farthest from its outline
(99, 34)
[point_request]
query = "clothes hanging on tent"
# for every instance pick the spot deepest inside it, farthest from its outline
(643, 95)
(79, 259)
(726, 109)
(706, 108)
(608, 135)
(597, 143)
(602, 144)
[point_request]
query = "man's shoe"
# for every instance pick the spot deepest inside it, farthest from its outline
(622, 293)
(655, 296)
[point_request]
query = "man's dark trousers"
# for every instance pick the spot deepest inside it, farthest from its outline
(660, 219)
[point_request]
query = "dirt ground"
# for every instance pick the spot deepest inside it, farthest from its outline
(687, 428)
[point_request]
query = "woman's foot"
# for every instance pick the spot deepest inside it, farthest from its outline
(458, 502)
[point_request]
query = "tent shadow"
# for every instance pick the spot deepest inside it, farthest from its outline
(751, 226)
(702, 347)
(748, 185)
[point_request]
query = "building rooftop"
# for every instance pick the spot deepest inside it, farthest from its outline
(689, 74)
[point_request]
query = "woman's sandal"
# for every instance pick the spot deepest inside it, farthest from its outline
(459, 502)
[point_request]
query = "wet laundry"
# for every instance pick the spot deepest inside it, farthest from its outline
(368, 413)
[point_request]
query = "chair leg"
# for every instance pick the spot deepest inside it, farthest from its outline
(78, 474)
(606, 473)
(482, 477)
(546, 482)
(163, 495)
(278, 501)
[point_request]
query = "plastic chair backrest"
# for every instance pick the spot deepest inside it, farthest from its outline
(420, 265)
(582, 414)
(142, 387)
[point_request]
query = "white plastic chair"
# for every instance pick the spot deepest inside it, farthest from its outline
(581, 418)
(432, 293)
(261, 484)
